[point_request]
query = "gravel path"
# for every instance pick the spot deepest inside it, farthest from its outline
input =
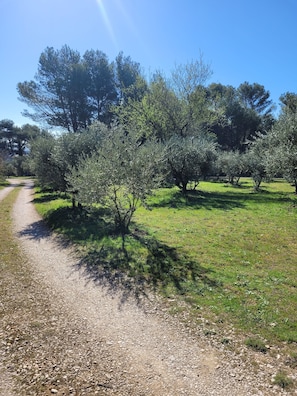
(86, 339)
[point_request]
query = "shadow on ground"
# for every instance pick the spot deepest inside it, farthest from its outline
(235, 197)
(161, 267)
(143, 264)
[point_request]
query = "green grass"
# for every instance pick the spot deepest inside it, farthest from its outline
(7, 242)
(229, 252)
(3, 183)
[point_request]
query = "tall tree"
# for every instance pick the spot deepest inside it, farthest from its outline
(101, 87)
(156, 114)
(185, 78)
(255, 97)
(241, 113)
(127, 72)
(174, 106)
(58, 94)
(71, 92)
(289, 102)
(190, 159)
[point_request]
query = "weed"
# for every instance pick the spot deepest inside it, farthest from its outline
(256, 344)
(281, 379)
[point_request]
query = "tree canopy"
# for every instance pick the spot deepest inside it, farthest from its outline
(72, 91)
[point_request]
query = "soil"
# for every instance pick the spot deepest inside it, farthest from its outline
(68, 334)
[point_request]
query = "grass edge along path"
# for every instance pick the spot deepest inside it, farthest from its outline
(241, 272)
(33, 342)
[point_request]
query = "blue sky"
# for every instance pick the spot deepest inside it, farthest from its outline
(252, 41)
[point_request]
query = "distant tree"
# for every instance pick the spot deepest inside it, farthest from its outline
(241, 113)
(7, 130)
(281, 155)
(255, 97)
(231, 125)
(2, 168)
(255, 160)
(289, 102)
(15, 144)
(53, 157)
(190, 159)
(231, 164)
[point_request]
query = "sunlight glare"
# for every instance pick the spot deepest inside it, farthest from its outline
(107, 22)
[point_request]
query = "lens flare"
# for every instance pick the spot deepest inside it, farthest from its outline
(107, 22)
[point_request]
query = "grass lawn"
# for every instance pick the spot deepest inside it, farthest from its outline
(229, 252)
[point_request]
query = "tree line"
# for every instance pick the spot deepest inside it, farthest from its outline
(71, 91)
(122, 136)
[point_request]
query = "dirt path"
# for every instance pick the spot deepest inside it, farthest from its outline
(86, 339)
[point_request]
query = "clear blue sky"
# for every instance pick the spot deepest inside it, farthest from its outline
(243, 40)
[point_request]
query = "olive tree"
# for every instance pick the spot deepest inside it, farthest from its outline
(120, 175)
(281, 155)
(52, 157)
(231, 164)
(190, 159)
(255, 159)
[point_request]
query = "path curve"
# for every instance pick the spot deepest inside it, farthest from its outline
(147, 354)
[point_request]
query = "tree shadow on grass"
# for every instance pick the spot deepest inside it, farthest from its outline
(228, 200)
(146, 264)
(160, 268)
(48, 197)
(200, 199)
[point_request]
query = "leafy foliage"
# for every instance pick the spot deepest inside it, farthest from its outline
(120, 175)
(53, 157)
(190, 159)
(15, 145)
(281, 153)
(231, 164)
